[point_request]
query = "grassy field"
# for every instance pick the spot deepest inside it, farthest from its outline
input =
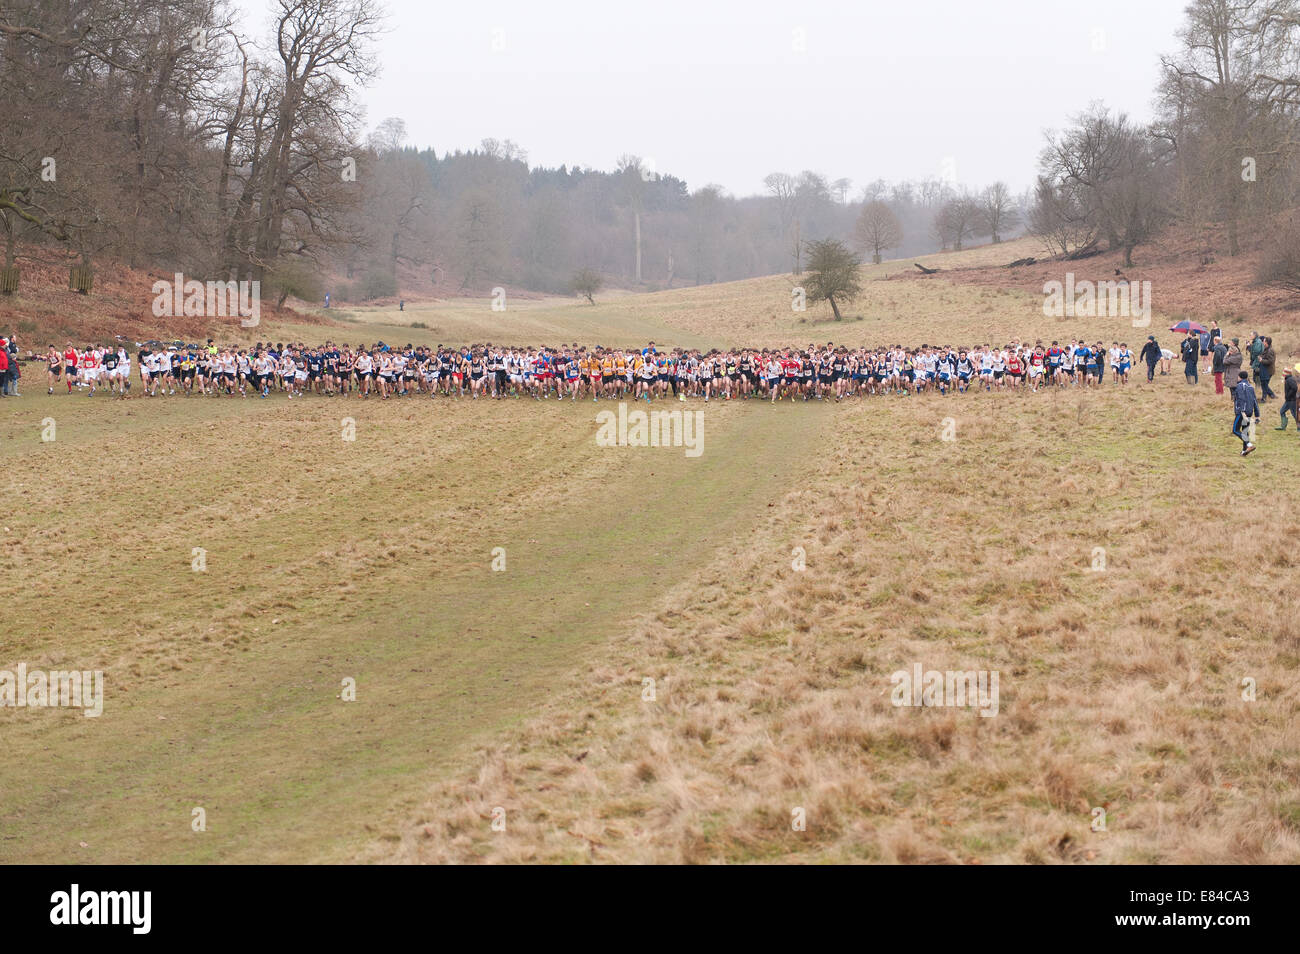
(328, 559)
(1121, 687)
(753, 313)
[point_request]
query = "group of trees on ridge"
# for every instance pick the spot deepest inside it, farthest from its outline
(158, 133)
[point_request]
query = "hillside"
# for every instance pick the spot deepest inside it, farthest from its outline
(522, 689)
(750, 312)
(1182, 286)
(45, 311)
(972, 299)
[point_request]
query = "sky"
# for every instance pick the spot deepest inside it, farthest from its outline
(727, 92)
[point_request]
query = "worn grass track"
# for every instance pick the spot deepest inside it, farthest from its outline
(325, 559)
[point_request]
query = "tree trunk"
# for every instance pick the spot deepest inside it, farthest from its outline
(834, 307)
(274, 193)
(636, 218)
(229, 265)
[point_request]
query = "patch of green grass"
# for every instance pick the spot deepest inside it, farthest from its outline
(337, 560)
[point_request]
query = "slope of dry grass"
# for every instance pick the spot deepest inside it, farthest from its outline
(1121, 689)
(324, 559)
(962, 305)
(1223, 288)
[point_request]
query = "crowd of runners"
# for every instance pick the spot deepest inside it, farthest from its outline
(573, 372)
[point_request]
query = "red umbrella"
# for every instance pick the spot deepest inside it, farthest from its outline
(1188, 328)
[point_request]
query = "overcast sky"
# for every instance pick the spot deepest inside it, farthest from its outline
(727, 92)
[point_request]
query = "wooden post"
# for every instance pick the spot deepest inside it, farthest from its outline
(8, 280)
(81, 278)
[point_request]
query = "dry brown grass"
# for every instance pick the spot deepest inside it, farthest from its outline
(1119, 689)
(325, 559)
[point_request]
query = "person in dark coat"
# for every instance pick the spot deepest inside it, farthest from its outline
(1246, 409)
(1232, 364)
(9, 380)
(1254, 350)
(1289, 393)
(1267, 364)
(1151, 355)
(1219, 352)
(1191, 352)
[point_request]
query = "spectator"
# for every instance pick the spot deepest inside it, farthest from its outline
(1219, 353)
(1165, 357)
(1151, 355)
(1191, 352)
(1255, 349)
(1206, 343)
(1232, 364)
(1289, 398)
(9, 380)
(1267, 364)
(4, 366)
(1246, 409)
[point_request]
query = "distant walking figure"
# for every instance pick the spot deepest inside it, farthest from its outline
(1151, 355)
(1247, 410)
(1290, 387)
(1267, 363)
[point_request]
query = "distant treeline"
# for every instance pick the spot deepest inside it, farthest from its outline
(1219, 159)
(486, 217)
(158, 133)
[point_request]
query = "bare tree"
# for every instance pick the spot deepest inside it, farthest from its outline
(957, 220)
(783, 187)
(811, 195)
(878, 229)
(1230, 95)
(1114, 172)
(875, 190)
(322, 45)
(389, 135)
(1061, 219)
(997, 211)
(633, 174)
